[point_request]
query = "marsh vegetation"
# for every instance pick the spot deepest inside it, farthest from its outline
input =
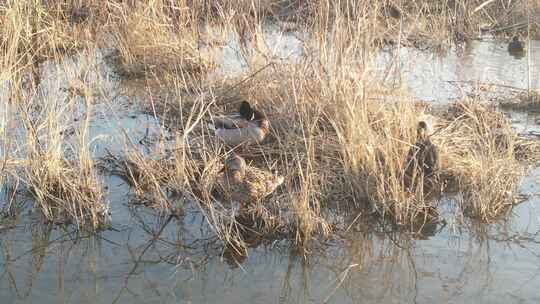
(100, 93)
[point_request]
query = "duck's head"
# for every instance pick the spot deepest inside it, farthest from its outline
(261, 120)
(246, 111)
(235, 167)
(264, 124)
(258, 115)
(421, 130)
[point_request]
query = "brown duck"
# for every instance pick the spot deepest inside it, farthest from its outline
(423, 157)
(244, 184)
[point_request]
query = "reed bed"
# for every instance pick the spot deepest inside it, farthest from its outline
(341, 144)
(521, 101)
(154, 36)
(58, 173)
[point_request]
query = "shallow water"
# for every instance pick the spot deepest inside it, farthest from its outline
(460, 263)
(450, 76)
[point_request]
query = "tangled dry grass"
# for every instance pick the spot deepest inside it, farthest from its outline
(65, 189)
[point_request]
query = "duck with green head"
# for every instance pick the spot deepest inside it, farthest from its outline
(247, 127)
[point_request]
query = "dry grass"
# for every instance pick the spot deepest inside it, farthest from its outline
(522, 101)
(156, 38)
(338, 136)
(480, 148)
(58, 173)
(432, 24)
(33, 31)
(341, 143)
(66, 190)
(339, 139)
(145, 175)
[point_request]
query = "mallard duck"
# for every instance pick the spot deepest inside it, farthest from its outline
(246, 127)
(235, 120)
(516, 48)
(244, 184)
(423, 157)
(515, 45)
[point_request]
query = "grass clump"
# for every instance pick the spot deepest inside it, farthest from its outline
(67, 193)
(144, 174)
(156, 38)
(338, 136)
(522, 101)
(480, 148)
(430, 24)
(59, 173)
(34, 31)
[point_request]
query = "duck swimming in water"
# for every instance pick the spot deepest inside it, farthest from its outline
(422, 159)
(244, 184)
(516, 48)
(247, 127)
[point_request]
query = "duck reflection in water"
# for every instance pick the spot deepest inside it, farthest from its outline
(247, 236)
(427, 224)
